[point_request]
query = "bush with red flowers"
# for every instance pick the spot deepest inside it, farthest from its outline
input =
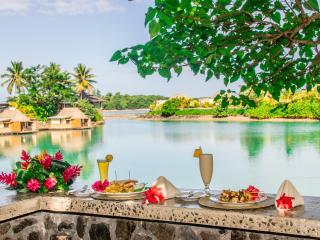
(41, 173)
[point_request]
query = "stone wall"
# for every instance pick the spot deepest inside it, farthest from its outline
(54, 226)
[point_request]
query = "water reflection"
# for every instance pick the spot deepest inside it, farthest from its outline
(244, 153)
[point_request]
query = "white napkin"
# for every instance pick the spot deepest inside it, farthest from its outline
(168, 189)
(289, 190)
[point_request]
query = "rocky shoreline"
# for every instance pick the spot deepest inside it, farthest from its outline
(222, 119)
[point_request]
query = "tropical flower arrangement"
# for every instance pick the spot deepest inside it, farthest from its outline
(41, 173)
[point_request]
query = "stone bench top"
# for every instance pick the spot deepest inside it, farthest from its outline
(305, 221)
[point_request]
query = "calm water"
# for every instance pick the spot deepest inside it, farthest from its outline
(263, 154)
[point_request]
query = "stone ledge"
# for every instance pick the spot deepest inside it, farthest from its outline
(305, 221)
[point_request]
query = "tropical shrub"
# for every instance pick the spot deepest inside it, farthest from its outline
(89, 109)
(170, 107)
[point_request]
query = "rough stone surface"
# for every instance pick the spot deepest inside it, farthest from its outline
(64, 226)
(81, 226)
(23, 224)
(34, 236)
(4, 228)
(238, 235)
(209, 235)
(186, 233)
(161, 231)
(49, 223)
(99, 231)
(75, 227)
(124, 229)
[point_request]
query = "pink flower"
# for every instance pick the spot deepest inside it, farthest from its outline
(46, 161)
(33, 185)
(58, 156)
(25, 156)
(50, 183)
(153, 195)
(8, 179)
(99, 186)
(71, 172)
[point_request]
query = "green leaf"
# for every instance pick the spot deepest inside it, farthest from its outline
(178, 70)
(209, 75)
(276, 16)
(150, 15)
(123, 60)
(154, 28)
(312, 5)
(116, 56)
(165, 72)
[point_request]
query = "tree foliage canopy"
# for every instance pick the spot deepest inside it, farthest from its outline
(268, 45)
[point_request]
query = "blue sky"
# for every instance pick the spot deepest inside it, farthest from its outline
(69, 32)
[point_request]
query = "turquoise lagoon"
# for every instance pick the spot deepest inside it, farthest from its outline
(262, 154)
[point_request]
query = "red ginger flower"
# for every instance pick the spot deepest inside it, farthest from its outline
(50, 183)
(71, 172)
(58, 156)
(33, 184)
(153, 195)
(45, 160)
(99, 186)
(8, 179)
(25, 157)
(284, 202)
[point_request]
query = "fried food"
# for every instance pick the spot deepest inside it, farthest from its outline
(241, 196)
(125, 186)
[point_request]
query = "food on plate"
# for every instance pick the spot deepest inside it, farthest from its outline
(251, 194)
(123, 186)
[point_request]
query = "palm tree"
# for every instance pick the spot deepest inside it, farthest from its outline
(83, 79)
(14, 77)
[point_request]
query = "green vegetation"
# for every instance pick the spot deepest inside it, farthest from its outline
(121, 102)
(43, 89)
(269, 46)
(88, 109)
(303, 104)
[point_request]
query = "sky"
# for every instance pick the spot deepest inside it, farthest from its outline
(69, 32)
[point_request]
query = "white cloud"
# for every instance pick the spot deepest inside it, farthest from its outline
(11, 7)
(76, 7)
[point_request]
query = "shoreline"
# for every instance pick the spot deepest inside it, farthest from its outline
(209, 118)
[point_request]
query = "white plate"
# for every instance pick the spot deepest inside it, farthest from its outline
(189, 196)
(119, 196)
(262, 198)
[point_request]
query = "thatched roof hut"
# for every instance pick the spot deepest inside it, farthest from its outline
(13, 115)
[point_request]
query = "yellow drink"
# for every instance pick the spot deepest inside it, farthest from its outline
(103, 166)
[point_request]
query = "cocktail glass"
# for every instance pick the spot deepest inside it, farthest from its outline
(206, 170)
(103, 166)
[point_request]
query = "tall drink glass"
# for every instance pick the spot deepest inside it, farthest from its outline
(103, 166)
(206, 170)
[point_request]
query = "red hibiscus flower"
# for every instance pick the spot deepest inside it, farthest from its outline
(153, 195)
(50, 183)
(99, 186)
(33, 185)
(254, 192)
(58, 156)
(71, 172)
(284, 202)
(8, 179)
